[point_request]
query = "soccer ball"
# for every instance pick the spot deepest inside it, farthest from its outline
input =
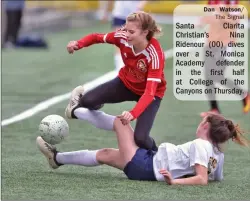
(53, 129)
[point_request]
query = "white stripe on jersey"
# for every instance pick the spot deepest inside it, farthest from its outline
(154, 79)
(153, 61)
(125, 43)
(120, 36)
(120, 33)
(104, 38)
(154, 57)
(147, 55)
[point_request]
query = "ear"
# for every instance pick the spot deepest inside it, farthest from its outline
(206, 125)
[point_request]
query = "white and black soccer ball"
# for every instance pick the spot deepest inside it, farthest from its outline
(53, 129)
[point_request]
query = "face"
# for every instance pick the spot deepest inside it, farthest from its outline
(134, 33)
(202, 128)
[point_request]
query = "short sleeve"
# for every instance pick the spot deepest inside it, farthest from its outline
(199, 154)
(156, 64)
(115, 38)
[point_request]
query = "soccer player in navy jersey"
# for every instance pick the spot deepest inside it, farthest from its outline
(193, 163)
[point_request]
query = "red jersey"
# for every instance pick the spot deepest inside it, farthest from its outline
(140, 67)
(143, 72)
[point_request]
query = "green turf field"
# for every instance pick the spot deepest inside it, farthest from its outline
(29, 77)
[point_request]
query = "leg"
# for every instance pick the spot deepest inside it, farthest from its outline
(144, 125)
(246, 102)
(125, 134)
(210, 63)
(139, 162)
(8, 26)
(87, 158)
(245, 95)
(97, 118)
(17, 24)
(91, 158)
(13, 26)
(230, 84)
(136, 163)
(125, 139)
(113, 91)
(112, 157)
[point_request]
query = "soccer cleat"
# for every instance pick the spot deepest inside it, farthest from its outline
(214, 111)
(48, 151)
(76, 94)
(246, 107)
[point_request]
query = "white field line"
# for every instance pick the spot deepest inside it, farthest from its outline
(57, 99)
(88, 86)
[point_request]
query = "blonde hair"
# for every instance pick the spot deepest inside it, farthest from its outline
(147, 23)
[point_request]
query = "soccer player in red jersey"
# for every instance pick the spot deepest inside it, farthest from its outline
(141, 79)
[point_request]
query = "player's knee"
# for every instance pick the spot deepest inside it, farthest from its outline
(87, 101)
(140, 139)
(104, 155)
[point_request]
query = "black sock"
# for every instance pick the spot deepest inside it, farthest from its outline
(55, 153)
(72, 112)
(214, 105)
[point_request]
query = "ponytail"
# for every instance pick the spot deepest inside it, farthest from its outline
(237, 134)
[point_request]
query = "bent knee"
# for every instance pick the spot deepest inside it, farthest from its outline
(105, 155)
(140, 139)
(87, 101)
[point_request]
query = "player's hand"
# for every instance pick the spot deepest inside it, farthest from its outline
(167, 176)
(126, 117)
(72, 46)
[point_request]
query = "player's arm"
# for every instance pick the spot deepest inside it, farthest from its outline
(201, 177)
(90, 39)
(145, 99)
(155, 70)
(96, 38)
(199, 159)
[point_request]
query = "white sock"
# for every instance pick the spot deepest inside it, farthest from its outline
(118, 61)
(97, 118)
(84, 157)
